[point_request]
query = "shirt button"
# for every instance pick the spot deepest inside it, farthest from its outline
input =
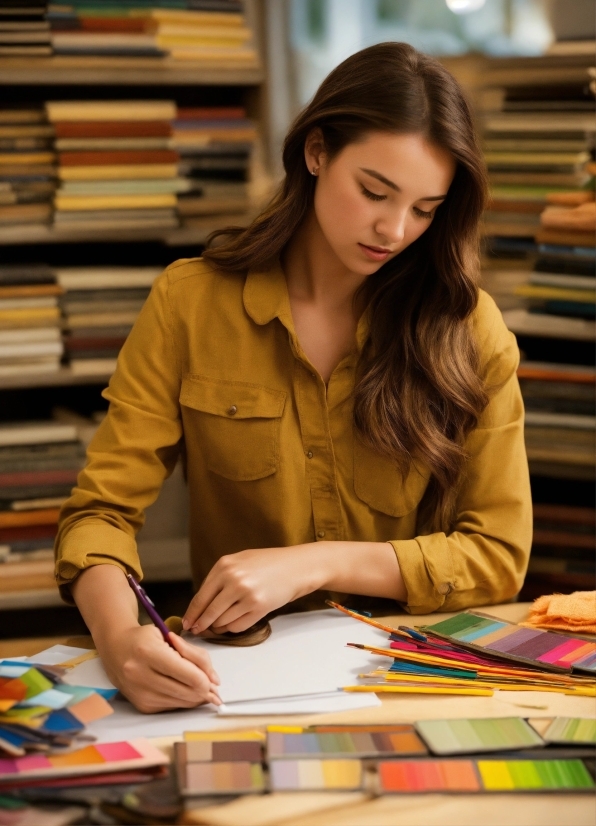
(445, 588)
(321, 534)
(232, 410)
(310, 454)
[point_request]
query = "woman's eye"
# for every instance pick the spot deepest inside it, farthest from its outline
(422, 214)
(372, 195)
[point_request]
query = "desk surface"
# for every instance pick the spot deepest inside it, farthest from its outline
(356, 809)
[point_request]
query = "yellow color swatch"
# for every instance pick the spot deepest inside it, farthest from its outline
(495, 775)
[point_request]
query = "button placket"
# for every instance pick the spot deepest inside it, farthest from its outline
(320, 466)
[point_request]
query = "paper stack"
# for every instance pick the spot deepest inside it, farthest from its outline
(100, 305)
(215, 145)
(114, 169)
(38, 712)
(30, 339)
(24, 30)
(39, 464)
(43, 743)
(27, 167)
(193, 30)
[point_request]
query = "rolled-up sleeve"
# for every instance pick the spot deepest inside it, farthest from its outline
(484, 559)
(133, 451)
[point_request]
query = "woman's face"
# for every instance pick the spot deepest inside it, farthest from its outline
(378, 196)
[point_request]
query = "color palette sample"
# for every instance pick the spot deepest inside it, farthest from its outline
(103, 757)
(529, 645)
(569, 730)
(465, 776)
(445, 737)
(351, 742)
(315, 775)
(219, 766)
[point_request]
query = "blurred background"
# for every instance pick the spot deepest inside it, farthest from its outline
(131, 130)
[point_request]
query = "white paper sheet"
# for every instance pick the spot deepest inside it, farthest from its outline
(298, 670)
(309, 704)
(305, 654)
(127, 723)
(57, 654)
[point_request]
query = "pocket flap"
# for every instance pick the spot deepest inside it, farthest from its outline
(236, 399)
(379, 483)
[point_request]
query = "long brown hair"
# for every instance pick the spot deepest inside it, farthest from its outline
(419, 392)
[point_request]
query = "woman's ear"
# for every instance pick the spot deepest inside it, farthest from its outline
(314, 150)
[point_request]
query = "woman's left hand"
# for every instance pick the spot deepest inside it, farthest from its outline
(242, 587)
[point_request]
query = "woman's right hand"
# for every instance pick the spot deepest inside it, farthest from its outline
(137, 659)
(153, 676)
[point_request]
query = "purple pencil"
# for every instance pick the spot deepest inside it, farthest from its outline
(150, 608)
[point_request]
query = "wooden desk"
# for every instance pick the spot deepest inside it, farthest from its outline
(356, 809)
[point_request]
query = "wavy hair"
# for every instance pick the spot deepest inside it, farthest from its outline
(418, 391)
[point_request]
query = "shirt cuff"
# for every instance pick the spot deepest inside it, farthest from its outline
(94, 542)
(427, 571)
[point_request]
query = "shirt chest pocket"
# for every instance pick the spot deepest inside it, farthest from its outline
(379, 483)
(234, 425)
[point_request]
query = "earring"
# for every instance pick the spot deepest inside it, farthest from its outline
(314, 171)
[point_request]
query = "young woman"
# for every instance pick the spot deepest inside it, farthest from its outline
(343, 395)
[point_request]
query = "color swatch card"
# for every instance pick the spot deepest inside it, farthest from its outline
(315, 775)
(509, 641)
(465, 776)
(571, 731)
(345, 741)
(216, 767)
(445, 737)
(98, 759)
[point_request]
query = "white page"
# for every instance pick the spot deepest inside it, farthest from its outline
(305, 654)
(57, 654)
(126, 722)
(308, 704)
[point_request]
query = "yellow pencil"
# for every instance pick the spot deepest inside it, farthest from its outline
(402, 689)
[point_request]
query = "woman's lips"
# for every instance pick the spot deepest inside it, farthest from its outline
(375, 253)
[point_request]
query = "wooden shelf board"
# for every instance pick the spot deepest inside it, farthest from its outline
(64, 377)
(124, 71)
(39, 598)
(44, 234)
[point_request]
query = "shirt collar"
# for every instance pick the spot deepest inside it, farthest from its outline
(266, 297)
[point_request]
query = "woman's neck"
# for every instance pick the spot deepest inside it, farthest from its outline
(314, 273)
(321, 291)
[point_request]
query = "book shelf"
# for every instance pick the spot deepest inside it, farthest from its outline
(536, 117)
(163, 544)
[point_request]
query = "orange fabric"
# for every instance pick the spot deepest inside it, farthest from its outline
(565, 612)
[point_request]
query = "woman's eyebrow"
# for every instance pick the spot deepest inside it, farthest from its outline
(387, 182)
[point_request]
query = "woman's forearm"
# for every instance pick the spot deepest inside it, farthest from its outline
(367, 568)
(106, 601)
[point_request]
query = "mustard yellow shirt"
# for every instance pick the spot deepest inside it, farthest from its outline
(213, 369)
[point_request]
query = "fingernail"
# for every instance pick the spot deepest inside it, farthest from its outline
(185, 625)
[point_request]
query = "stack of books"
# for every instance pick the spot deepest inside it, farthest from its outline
(562, 559)
(114, 168)
(539, 140)
(195, 30)
(30, 340)
(27, 167)
(215, 145)
(100, 305)
(556, 333)
(39, 464)
(24, 30)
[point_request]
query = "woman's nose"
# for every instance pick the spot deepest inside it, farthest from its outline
(393, 228)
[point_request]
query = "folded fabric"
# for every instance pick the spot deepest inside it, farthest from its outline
(565, 612)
